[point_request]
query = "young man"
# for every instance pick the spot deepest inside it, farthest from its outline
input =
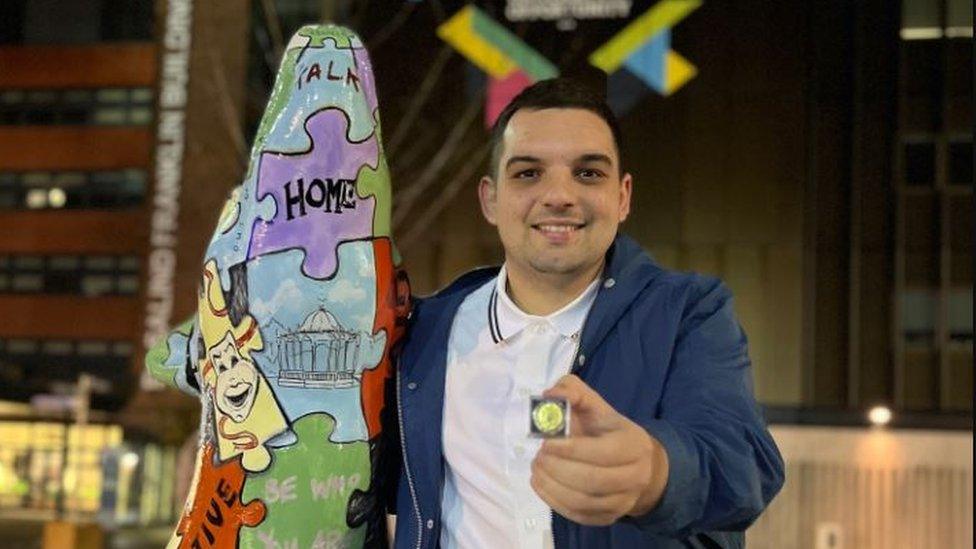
(667, 446)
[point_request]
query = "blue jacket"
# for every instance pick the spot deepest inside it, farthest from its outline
(664, 349)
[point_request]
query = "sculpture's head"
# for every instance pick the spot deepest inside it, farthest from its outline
(323, 66)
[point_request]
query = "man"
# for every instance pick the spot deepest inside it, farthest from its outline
(667, 448)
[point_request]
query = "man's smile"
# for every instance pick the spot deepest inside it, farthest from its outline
(558, 226)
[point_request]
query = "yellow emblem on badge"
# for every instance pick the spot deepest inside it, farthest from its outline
(549, 417)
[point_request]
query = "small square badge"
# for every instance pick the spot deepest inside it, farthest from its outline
(549, 417)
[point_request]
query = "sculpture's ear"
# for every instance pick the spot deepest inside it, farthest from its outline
(172, 361)
(236, 299)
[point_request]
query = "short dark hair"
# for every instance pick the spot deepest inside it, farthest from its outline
(555, 93)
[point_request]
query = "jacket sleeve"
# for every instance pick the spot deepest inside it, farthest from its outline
(724, 465)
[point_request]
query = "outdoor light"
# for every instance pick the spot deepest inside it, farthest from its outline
(129, 460)
(879, 415)
(56, 197)
(36, 199)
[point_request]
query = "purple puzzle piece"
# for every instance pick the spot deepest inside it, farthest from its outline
(315, 193)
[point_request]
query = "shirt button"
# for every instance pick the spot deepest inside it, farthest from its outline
(412, 385)
(581, 360)
(519, 450)
(608, 283)
(524, 392)
(530, 523)
(430, 524)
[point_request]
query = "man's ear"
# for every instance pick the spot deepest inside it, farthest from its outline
(488, 197)
(626, 188)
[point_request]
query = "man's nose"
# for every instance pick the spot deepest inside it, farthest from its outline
(558, 191)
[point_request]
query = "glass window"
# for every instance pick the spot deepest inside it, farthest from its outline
(29, 262)
(100, 262)
(140, 115)
(918, 313)
(57, 348)
(921, 242)
(64, 262)
(959, 15)
(961, 315)
(961, 163)
(109, 116)
(112, 95)
(920, 163)
(104, 106)
(96, 285)
(75, 21)
(935, 211)
(21, 346)
(129, 263)
(27, 283)
(78, 96)
(122, 348)
(128, 284)
(72, 189)
(90, 348)
(70, 274)
(922, 78)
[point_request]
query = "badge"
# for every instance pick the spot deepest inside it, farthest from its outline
(549, 417)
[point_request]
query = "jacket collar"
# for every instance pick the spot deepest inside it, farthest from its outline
(627, 272)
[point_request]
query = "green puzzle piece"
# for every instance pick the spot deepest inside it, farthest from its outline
(317, 34)
(306, 490)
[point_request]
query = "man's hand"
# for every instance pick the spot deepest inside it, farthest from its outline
(607, 468)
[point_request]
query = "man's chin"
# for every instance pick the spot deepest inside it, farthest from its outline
(556, 266)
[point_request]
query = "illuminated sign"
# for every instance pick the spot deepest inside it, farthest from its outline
(170, 148)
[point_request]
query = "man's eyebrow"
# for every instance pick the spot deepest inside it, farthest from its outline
(595, 157)
(515, 159)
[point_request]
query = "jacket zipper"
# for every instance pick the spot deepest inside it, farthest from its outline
(572, 368)
(406, 466)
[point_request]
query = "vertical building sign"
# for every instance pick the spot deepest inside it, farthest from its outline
(170, 148)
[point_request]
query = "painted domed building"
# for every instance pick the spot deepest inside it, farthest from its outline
(319, 354)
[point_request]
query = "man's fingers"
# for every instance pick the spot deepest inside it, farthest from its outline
(605, 451)
(584, 477)
(576, 506)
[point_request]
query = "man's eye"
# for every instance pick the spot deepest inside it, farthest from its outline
(526, 174)
(589, 173)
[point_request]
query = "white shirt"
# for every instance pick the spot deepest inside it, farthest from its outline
(497, 357)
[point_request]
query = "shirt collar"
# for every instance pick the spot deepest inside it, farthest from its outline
(505, 319)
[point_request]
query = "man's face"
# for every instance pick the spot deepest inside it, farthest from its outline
(558, 198)
(236, 379)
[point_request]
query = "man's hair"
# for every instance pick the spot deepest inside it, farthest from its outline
(555, 93)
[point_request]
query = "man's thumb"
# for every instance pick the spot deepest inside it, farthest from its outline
(588, 410)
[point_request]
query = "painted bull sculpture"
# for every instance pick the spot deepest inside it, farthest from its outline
(299, 304)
